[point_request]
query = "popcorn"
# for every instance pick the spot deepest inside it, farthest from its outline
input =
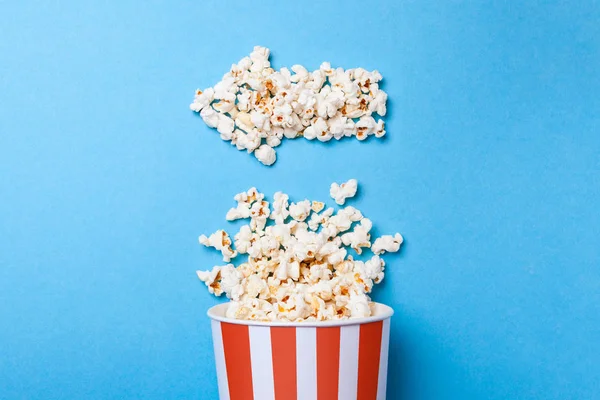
(317, 206)
(341, 192)
(343, 220)
(256, 286)
(241, 211)
(219, 240)
(359, 305)
(374, 269)
(245, 200)
(300, 211)
(265, 154)
(359, 237)
(297, 267)
(255, 107)
(379, 130)
(317, 220)
(378, 104)
(210, 117)
(244, 239)
(259, 212)
(250, 196)
(318, 129)
(225, 125)
(202, 99)
(365, 127)
(223, 279)
(280, 207)
(289, 267)
(387, 244)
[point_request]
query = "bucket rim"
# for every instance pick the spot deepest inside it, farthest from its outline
(379, 311)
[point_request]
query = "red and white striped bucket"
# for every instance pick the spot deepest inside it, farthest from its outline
(332, 360)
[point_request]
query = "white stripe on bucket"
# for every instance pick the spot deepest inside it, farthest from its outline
(383, 360)
(306, 363)
(220, 360)
(262, 362)
(348, 377)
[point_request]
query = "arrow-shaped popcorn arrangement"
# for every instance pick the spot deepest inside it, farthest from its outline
(297, 267)
(255, 107)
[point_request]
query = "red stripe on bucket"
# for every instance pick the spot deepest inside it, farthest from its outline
(328, 363)
(283, 346)
(236, 344)
(368, 360)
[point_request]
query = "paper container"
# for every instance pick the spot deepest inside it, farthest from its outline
(333, 360)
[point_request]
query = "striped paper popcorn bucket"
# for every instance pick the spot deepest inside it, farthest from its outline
(332, 360)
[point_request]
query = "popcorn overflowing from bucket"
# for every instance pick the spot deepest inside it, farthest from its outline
(297, 267)
(255, 107)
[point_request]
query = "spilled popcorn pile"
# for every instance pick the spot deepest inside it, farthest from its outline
(298, 268)
(254, 107)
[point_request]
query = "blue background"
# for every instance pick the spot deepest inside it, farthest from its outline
(490, 170)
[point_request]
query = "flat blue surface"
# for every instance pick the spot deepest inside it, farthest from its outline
(491, 170)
